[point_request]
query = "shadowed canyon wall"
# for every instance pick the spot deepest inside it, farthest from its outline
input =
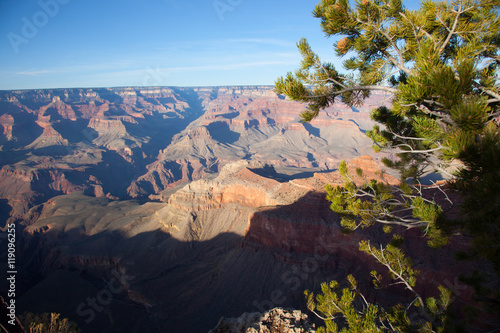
(238, 242)
(163, 209)
(137, 142)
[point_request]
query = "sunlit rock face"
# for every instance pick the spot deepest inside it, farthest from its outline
(244, 240)
(230, 215)
(179, 201)
(142, 142)
(274, 320)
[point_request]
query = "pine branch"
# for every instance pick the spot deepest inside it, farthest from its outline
(408, 224)
(414, 30)
(399, 275)
(413, 151)
(440, 188)
(412, 138)
(496, 96)
(397, 64)
(357, 88)
(442, 115)
(396, 48)
(452, 31)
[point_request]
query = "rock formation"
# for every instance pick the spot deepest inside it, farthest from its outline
(6, 120)
(230, 215)
(141, 142)
(276, 320)
(242, 241)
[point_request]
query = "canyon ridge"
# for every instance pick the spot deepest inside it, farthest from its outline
(164, 209)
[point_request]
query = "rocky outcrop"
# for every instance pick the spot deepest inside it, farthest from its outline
(255, 124)
(49, 137)
(7, 121)
(24, 188)
(103, 126)
(235, 184)
(273, 321)
(91, 109)
(58, 107)
(156, 138)
(242, 241)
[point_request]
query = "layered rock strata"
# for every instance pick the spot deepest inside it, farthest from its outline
(243, 241)
(141, 142)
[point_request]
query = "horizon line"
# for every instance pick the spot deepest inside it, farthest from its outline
(144, 87)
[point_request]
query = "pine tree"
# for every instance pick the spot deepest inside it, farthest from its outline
(441, 63)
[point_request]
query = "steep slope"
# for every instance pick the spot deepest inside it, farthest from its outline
(97, 140)
(140, 142)
(49, 137)
(240, 242)
(253, 123)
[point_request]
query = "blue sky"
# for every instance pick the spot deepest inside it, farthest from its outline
(76, 43)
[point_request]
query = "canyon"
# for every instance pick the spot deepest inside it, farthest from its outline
(140, 142)
(243, 241)
(165, 209)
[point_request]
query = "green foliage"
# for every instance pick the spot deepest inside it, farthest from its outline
(359, 316)
(334, 302)
(369, 202)
(441, 63)
(47, 323)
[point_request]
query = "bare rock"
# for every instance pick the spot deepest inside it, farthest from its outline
(7, 121)
(277, 320)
